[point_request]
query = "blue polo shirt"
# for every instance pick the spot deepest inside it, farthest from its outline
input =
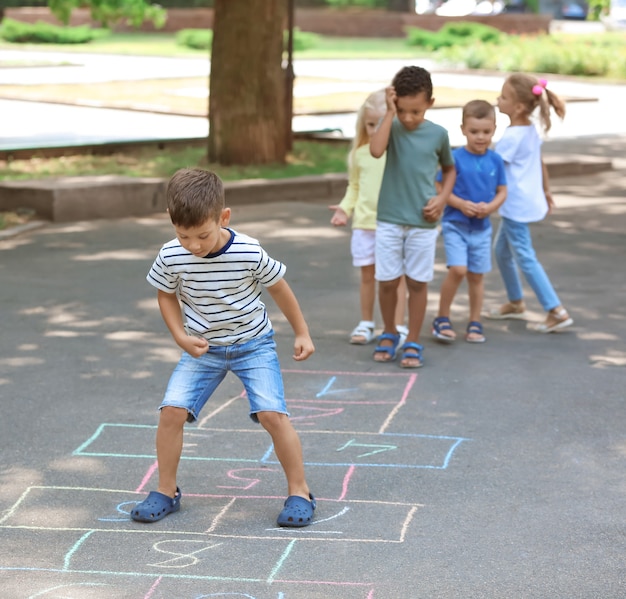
(478, 177)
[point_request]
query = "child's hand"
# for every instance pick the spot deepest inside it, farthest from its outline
(550, 200)
(390, 98)
(194, 346)
(303, 347)
(469, 209)
(433, 209)
(482, 210)
(340, 218)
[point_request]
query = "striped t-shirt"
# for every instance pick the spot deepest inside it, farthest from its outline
(221, 292)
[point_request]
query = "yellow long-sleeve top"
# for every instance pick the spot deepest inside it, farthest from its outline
(364, 178)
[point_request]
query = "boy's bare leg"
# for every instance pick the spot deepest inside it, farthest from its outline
(169, 446)
(387, 298)
(449, 287)
(418, 296)
(401, 302)
(368, 292)
(475, 289)
(288, 450)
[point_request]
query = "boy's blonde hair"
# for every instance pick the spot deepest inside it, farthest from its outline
(376, 102)
(533, 93)
(194, 196)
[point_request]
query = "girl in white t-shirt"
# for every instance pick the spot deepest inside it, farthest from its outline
(528, 200)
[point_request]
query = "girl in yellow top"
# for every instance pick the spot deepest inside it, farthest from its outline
(360, 202)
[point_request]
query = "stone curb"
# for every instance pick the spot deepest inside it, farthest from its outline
(14, 231)
(85, 198)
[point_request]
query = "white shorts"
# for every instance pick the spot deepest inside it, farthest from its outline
(406, 251)
(362, 246)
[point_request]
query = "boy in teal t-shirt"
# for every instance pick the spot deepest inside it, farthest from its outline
(409, 206)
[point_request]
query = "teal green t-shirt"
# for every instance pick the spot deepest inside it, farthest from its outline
(413, 159)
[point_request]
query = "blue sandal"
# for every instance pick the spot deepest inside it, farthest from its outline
(414, 351)
(391, 350)
(442, 323)
(297, 511)
(156, 506)
(475, 328)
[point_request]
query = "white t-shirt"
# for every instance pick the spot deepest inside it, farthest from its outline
(220, 293)
(520, 148)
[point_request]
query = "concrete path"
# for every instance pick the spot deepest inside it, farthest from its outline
(494, 471)
(31, 124)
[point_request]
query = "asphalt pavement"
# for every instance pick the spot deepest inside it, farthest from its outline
(495, 471)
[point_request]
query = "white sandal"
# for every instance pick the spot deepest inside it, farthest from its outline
(564, 321)
(363, 333)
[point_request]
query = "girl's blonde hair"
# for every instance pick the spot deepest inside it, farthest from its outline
(375, 102)
(533, 93)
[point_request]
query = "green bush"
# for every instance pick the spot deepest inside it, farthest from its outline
(302, 40)
(599, 56)
(198, 39)
(44, 33)
(453, 34)
(201, 39)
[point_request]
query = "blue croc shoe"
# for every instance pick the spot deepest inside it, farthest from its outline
(297, 511)
(156, 506)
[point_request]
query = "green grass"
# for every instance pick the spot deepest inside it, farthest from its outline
(307, 158)
(164, 44)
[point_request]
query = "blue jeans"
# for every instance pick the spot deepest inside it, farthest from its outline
(255, 363)
(514, 248)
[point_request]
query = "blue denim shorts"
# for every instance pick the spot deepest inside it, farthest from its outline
(467, 247)
(255, 363)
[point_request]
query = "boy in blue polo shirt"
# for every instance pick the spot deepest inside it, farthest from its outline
(479, 190)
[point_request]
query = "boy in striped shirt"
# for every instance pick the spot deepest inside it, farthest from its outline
(216, 275)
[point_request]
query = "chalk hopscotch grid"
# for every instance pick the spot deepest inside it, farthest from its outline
(300, 535)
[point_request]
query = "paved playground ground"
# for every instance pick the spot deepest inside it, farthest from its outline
(495, 471)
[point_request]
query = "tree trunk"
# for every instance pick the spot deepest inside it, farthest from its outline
(247, 119)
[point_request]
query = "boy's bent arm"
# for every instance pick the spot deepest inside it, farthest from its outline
(380, 140)
(434, 207)
(170, 311)
(498, 199)
(286, 301)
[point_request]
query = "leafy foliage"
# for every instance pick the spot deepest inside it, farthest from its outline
(45, 33)
(198, 39)
(591, 56)
(453, 34)
(107, 12)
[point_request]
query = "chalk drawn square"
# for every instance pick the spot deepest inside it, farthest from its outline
(180, 555)
(137, 441)
(81, 509)
(311, 588)
(321, 400)
(50, 584)
(386, 450)
(34, 548)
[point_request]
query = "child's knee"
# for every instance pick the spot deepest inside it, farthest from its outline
(458, 272)
(273, 420)
(172, 416)
(416, 286)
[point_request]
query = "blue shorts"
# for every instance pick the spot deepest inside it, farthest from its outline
(467, 247)
(255, 363)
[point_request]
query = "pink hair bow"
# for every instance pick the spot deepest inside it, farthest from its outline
(541, 85)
